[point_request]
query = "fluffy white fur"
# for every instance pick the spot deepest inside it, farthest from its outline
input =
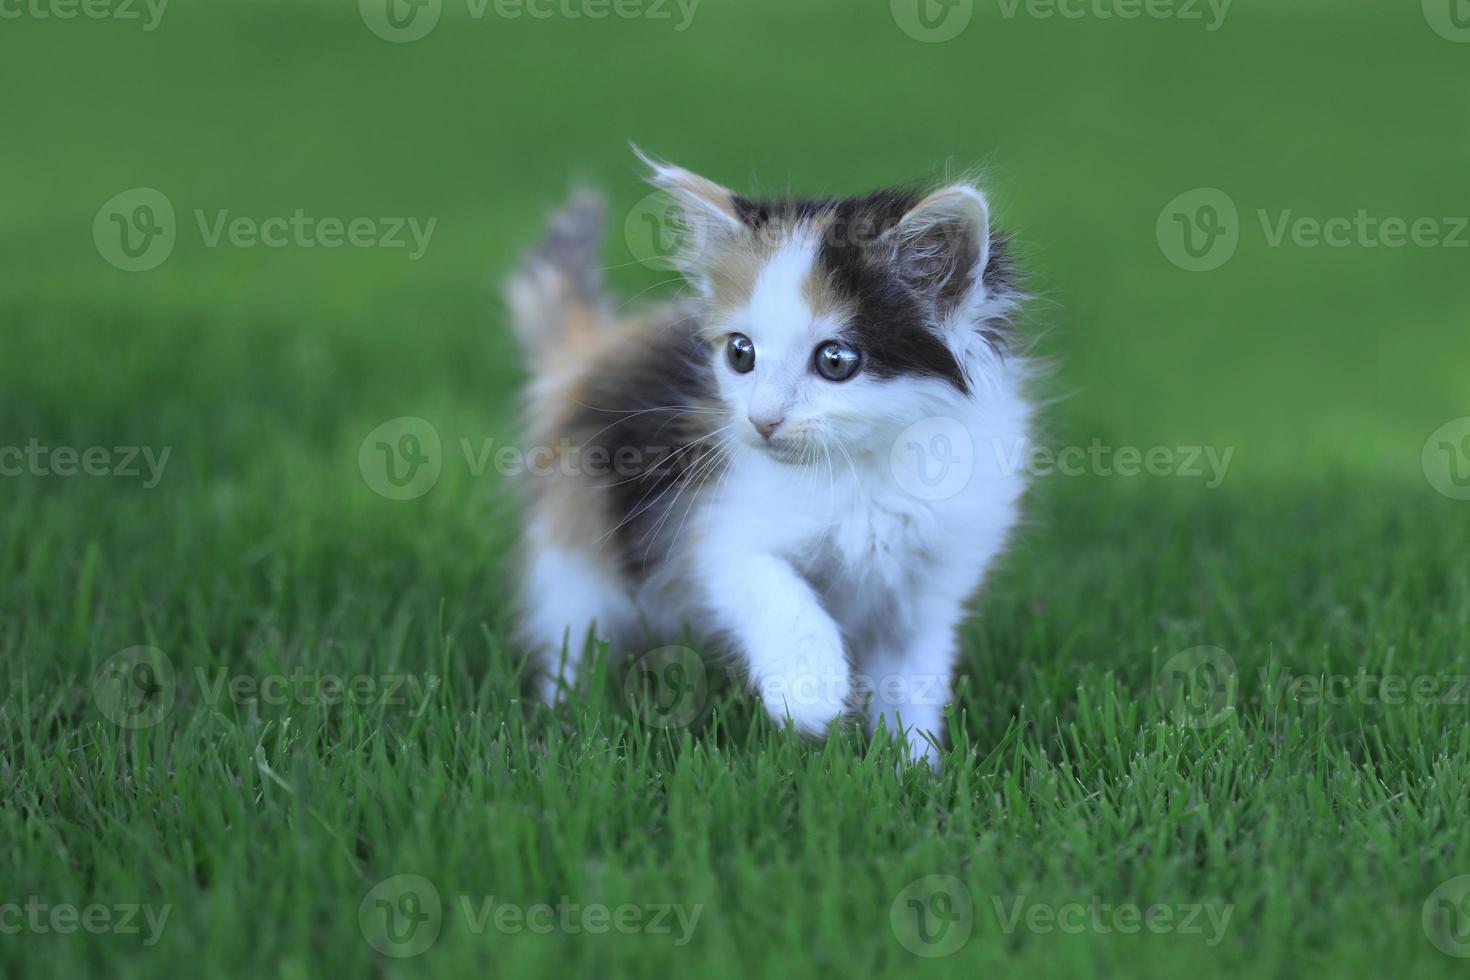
(837, 584)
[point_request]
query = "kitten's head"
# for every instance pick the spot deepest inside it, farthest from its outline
(844, 319)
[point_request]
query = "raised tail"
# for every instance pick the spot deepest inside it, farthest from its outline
(556, 295)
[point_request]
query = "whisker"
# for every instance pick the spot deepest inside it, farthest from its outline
(719, 453)
(681, 451)
(639, 509)
(700, 469)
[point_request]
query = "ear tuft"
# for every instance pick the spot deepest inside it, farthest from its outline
(703, 211)
(942, 245)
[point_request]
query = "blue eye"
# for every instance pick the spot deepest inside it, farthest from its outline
(741, 353)
(836, 361)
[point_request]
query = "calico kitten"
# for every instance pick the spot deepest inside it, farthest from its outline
(804, 459)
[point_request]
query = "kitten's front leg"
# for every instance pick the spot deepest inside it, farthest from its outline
(911, 684)
(793, 648)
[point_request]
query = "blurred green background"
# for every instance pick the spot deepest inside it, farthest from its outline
(1325, 369)
(1302, 357)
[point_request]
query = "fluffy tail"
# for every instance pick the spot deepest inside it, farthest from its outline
(556, 296)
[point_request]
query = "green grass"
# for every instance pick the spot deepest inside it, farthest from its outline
(262, 552)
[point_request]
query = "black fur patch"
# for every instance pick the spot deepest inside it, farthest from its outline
(652, 454)
(893, 324)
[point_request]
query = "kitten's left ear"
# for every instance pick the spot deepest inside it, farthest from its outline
(706, 211)
(942, 245)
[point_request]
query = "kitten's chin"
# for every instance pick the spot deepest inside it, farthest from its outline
(789, 452)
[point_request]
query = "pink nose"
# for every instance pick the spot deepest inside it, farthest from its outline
(766, 427)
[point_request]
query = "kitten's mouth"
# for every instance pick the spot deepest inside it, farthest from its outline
(786, 451)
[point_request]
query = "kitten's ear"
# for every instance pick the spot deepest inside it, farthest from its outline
(942, 245)
(702, 220)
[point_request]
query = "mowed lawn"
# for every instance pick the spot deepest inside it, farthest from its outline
(1210, 723)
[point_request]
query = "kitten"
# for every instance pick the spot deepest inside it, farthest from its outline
(804, 458)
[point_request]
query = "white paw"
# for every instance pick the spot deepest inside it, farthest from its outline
(549, 689)
(922, 751)
(811, 687)
(923, 739)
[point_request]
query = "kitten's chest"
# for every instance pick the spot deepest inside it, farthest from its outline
(854, 537)
(867, 543)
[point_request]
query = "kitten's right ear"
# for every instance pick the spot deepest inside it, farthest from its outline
(701, 219)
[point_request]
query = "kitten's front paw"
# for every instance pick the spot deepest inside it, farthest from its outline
(923, 737)
(811, 686)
